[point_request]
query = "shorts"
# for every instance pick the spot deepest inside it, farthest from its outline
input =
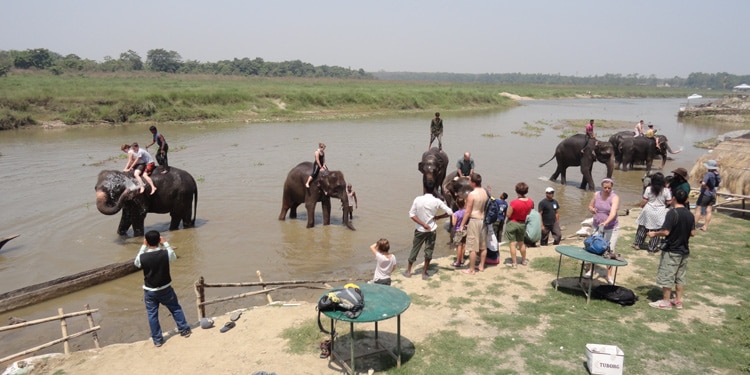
(704, 200)
(672, 269)
(515, 231)
(150, 168)
(476, 235)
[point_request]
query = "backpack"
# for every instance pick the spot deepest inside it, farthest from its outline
(713, 183)
(349, 300)
(595, 244)
(616, 294)
(491, 209)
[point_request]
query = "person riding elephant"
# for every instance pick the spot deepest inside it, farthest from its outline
(433, 166)
(568, 154)
(328, 184)
(455, 187)
(637, 150)
(116, 190)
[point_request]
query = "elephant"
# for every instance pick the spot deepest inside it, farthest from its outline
(568, 154)
(616, 139)
(175, 191)
(433, 166)
(455, 187)
(328, 184)
(637, 150)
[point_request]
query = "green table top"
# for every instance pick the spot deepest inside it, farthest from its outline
(583, 255)
(381, 302)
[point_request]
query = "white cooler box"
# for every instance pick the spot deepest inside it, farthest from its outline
(604, 359)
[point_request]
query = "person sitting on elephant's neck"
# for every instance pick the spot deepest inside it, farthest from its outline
(319, 164)
(651, 134)
(638, 129)
(589, 134)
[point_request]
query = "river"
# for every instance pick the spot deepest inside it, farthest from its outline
(47, 196)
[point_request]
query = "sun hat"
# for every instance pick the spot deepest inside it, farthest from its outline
(711, 164)
(207, 323)
(549, 190)
(681, 172)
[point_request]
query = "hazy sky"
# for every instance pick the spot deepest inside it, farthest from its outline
(665, 38)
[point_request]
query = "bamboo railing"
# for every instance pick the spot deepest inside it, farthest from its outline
(63, 327)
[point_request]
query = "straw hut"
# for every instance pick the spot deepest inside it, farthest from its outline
(733, 156)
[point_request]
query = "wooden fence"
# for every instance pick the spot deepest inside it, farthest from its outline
(201, 285)
(61, 316)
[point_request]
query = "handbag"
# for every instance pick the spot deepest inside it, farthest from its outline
(596, 244)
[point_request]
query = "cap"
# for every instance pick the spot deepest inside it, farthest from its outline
(549, 190)
(711, 164)
(207, 323)
(681, 172)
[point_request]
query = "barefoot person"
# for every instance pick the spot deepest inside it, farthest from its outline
(161, 153)
(135, 163)
(319, 164)
(476, 229)
(144, 166)
(436, 131)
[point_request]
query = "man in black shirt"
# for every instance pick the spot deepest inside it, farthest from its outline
(550, 218)
(157, 285)
(678, 227)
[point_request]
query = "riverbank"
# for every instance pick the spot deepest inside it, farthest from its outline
(501, 320)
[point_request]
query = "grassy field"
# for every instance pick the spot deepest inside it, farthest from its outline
(35, 98)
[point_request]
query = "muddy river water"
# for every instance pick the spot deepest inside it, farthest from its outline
(47, 196)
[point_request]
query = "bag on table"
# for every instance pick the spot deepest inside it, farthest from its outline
(596, 244)
(349, 300)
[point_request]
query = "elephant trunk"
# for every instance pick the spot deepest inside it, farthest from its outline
(610, 165)
(345, 205)
(103, 206)
(672, 152)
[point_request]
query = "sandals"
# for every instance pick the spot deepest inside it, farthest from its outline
(457, 264)
(325, 349)
(525, 262)
(227, 327)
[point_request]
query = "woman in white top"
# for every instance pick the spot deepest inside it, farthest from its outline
(386, 262)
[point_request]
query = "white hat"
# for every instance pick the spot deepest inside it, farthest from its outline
(549, 190)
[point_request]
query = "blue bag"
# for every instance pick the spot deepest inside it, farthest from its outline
(596, 244)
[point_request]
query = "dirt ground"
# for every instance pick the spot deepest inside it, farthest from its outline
(255, 344)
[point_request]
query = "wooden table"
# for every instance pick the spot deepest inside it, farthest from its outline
(381, 302)
(584, 256)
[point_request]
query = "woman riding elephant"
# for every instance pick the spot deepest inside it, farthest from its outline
(326, 185)
(568, 154)
(117, 191)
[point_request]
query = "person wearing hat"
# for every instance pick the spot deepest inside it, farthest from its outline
(679, 182)
(436, 131)
(707, 198)
(550, 218)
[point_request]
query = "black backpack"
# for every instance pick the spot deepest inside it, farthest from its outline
(491, 210)
(349, 300)
(616, 294)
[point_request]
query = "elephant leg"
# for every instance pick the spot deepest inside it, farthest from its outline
(125, 222)
(326, 207)
(284, 209)
(588, 180)
(293, 212)
(138, 225)
(187, 218)
(174, 224)
(310, 206)
(563, 175)
(556, 174)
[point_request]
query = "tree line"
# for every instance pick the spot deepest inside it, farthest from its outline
(161, 60)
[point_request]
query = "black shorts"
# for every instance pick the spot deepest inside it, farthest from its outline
(704, 201)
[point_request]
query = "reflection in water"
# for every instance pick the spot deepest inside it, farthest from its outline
(47, 196)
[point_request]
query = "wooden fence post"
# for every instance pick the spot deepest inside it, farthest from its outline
(64, 327)
(201, 297)
(268, 295)
(91, 325)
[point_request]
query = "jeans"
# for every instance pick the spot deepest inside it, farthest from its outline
(168, 298)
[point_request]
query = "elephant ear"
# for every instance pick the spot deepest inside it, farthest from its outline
(420, 166)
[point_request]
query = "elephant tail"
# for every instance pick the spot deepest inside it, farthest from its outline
(545, 163)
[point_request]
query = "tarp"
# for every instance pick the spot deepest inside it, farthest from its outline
(743, 86)
(694, 96)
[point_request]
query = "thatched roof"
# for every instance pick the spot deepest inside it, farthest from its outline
(733, 156)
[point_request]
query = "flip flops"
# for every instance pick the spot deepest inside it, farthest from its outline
(236, 315)
(325, 349)
(227, 327)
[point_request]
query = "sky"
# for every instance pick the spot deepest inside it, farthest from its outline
(664, 38)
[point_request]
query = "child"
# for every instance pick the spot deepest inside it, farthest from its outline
(386, 262)
(459, 236)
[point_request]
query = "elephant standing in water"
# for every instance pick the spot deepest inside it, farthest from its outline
(328, 184)
(642, 150)
(433, 166)
(175, 191)
(570, 153)
(455, 187)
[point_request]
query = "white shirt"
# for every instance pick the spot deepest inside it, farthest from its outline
(144, 157)
(384, 267)
(425, 208)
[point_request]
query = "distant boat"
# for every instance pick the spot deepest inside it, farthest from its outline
(694, 96)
